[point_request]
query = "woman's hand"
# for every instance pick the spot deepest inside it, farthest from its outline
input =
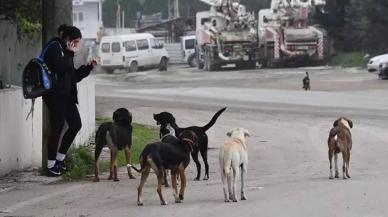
(93, 62)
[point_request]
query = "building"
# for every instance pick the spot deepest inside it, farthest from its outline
(87, 16)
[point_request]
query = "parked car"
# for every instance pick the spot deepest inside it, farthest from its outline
(375, 63)
(188, 50)
(131, 52)
(383, 71)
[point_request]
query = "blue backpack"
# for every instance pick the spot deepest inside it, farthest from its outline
(37, 77)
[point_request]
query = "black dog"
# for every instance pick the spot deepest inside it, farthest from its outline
(117, 136)
(306, 82)
(165, 118)
(171, 153)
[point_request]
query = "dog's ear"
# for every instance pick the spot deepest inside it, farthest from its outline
(335, 124)
(350, 122)
(246, 133)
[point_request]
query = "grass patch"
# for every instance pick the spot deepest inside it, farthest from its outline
(353, 59)
(80, 161)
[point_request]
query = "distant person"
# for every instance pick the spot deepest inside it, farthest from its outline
(306, 82)
(62, 100)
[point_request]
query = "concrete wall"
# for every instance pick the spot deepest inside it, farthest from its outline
(15, 53)
(20, 139)
(91, 19)
(87, 109)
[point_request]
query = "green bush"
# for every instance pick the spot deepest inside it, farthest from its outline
(80, 162)
(353, 59)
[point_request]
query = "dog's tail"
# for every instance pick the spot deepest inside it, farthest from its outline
(100, 139)
(133, 167)
(213, 120)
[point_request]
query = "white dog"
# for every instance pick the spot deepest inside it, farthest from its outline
(233, 156)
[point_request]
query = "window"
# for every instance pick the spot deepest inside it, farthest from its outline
(142, 44)
(153, 43)
(129, 46)
(115, 47)
(189, 44)
(75, 17)
(80, 16)
(105, 47)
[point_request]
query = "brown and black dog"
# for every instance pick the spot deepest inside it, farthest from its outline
(171, 153)
(340, 141)
(116, 135)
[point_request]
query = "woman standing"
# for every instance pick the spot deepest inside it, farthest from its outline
(62, 100)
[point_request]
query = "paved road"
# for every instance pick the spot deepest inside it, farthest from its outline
(288, 167)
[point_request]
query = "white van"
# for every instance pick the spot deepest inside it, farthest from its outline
(131, 52)
(188, 49)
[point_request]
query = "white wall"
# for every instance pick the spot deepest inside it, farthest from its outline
(87, 109)
(91, 22)
(21, 139)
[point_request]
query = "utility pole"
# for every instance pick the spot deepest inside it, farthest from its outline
(54, 13)
(173, 9)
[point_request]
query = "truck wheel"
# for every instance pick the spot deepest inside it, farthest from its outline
(192, 60)
(108, 70)
(206, 61)
(133, 67)
(163, 64)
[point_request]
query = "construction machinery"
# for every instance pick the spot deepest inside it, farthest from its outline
(226, 34)
(286, 36)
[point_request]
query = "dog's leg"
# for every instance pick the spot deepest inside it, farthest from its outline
(344, 164)
(243, 181)
(159, 188)
(204, 157)
(194, 155)
(336, 165)
(144, 176)
(114, 164)
(234, 183)
(347, 163)
(224, 185)
(97, 153)
(330, 153)
(128, 158)
(111, 166)
(229, 176)
(174, 186)
(182, 176)
(165, 174)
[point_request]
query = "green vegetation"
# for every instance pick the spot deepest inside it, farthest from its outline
(80, 161)
(25, 13)
(352, 59)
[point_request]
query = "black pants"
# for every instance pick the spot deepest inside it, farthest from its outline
(61, 110)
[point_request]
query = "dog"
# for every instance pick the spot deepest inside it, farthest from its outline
(165, 118)
(116, 135)
(171, 153)
(340, 141)
(306, 82)
(233, 157)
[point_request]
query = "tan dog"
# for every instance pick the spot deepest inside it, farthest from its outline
(233, 156)
(340, 141)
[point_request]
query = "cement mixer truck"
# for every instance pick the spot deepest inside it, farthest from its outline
(226, 34)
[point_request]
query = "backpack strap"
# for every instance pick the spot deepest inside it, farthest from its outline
(31, 112)
(44, 51)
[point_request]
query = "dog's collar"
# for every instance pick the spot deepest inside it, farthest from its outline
(188, 141)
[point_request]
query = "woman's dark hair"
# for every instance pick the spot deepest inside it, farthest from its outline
(61, 29)
(71, 33)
